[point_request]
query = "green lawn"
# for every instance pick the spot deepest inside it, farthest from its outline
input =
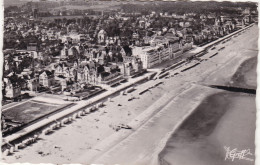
(30, 111)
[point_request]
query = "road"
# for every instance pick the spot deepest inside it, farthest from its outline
(79, 105)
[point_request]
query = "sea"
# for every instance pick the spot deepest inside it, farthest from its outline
(223, 120)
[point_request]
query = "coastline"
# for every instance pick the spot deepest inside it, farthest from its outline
(117, 113)
(203, 142)
(191, 133)
(248, 80)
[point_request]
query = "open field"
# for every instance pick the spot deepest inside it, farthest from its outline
(103, 6)
(13, 2)
(61, 17)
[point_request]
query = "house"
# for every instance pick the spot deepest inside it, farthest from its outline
(135, 36)
(32, 84)
(63, 84)
(88, 73)
(69, 72)
(46, 78)
(110, 75)
(102, 34)
(126, 69)
(162, 48)
(6, 65)
(130, 65)
(12, 89)
(64, 52)
(149, 56)
(73, 52)
(32, 47)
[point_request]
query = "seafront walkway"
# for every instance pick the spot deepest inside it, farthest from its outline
(79, 105)
(199, 49)
(146, 141)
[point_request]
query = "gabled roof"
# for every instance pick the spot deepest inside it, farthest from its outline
(91, 65)
(48, 73)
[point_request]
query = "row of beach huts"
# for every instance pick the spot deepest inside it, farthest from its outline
(10, 149)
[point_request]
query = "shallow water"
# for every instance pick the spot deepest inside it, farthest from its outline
(245, 76)
(224, 119)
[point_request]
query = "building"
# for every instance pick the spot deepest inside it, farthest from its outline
(12, 90)
(150, 56)
(130, 65)
(162, 48)
(32, 47)
(65, 71)
(32, 84)
(102, 34)
(46, 78)
(88, 73)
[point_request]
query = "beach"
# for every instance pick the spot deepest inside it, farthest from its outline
(156, 115)
(222, 120)
(220, 71)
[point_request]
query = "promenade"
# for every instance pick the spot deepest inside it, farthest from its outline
(79, 105)
(136, 148)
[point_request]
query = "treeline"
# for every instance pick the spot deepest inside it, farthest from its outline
(182, 7)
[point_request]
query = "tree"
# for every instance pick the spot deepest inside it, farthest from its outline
(26, 62)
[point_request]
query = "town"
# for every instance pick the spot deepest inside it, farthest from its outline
(77, 53)
(69, 56)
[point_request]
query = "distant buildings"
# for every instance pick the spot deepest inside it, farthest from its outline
(101, 48)
(102, 35)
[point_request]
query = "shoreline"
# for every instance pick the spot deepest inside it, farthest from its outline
(187, 139)
(116, 112)
(14, 137)
(162, 145)
(242, 78)
(246, 80)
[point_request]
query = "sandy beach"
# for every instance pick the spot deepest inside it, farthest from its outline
(153, 114)
(248, 80)
(220, 70)
(84, 133)
(222, 120)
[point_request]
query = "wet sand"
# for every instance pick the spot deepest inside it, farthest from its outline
(248, 80)
(140, 150)
(224, 119)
